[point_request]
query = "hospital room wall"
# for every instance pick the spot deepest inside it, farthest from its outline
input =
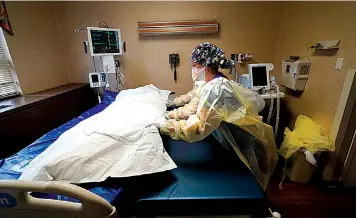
(244, 27)
(302, 24)
(35, 47)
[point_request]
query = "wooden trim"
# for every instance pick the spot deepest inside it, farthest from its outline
(176, 23)
(178, 27)
(170, 30)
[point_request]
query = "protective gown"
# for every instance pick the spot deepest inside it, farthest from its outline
(230, 112)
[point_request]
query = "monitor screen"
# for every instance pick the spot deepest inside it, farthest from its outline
(259, 76)
(94, 78)
(105, 41)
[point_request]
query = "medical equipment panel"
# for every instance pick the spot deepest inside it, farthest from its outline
(244, 79)
(259, 76)
(295, 73)
(238, 58)
(104, 41)
(108, 64)
(97, 80)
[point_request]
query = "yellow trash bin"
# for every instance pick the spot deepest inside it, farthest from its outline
(305, 140)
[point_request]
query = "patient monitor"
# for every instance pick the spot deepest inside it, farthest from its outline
(97, 80)
(104, 44)
(104, 41)
(259, 76)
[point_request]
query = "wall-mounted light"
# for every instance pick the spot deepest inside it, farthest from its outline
(178, 27)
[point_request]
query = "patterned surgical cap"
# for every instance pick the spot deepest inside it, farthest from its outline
(209, 55)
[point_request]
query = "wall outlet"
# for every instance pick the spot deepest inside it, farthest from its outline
(339, 62)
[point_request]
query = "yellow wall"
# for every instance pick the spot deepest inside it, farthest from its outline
(35, 48)
(244, 27)
(301, 24)
(269, 30)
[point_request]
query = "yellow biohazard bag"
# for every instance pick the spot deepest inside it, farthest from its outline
(306, 134)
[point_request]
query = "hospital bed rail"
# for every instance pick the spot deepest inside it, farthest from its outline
(16, 201)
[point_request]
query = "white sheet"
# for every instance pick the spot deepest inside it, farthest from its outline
(120, 141)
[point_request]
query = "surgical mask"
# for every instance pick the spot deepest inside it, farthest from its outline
(198, 74)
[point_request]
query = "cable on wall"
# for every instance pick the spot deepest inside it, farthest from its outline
(103, 24)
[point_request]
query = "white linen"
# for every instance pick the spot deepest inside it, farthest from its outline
(120, 141)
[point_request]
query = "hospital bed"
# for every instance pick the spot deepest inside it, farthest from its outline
(209, 180)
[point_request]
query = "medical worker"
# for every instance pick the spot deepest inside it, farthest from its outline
(217, 104)
(206, 59)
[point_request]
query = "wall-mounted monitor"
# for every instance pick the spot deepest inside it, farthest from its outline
(104, 41)
(259, 76)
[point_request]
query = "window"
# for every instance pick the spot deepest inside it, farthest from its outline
(9, 85)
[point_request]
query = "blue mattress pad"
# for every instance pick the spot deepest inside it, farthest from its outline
(209, 180)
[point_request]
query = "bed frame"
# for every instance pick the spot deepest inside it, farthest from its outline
(16, 201)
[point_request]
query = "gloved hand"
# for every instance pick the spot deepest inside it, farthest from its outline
(168, 128)
(188, 130)
(164, 130)
(183, 113)
(181, 100)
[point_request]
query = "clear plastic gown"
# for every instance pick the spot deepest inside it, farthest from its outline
(231, 112)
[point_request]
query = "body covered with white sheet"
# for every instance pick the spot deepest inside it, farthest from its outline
(121, 141)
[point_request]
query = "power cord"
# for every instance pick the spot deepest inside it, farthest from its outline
(278, 112)
(103, 24)
(120, 77)
(97, 91)
(309, 61)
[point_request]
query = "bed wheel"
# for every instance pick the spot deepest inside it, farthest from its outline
(274, 214)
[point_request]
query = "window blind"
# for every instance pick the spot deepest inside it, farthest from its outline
(9, 85)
